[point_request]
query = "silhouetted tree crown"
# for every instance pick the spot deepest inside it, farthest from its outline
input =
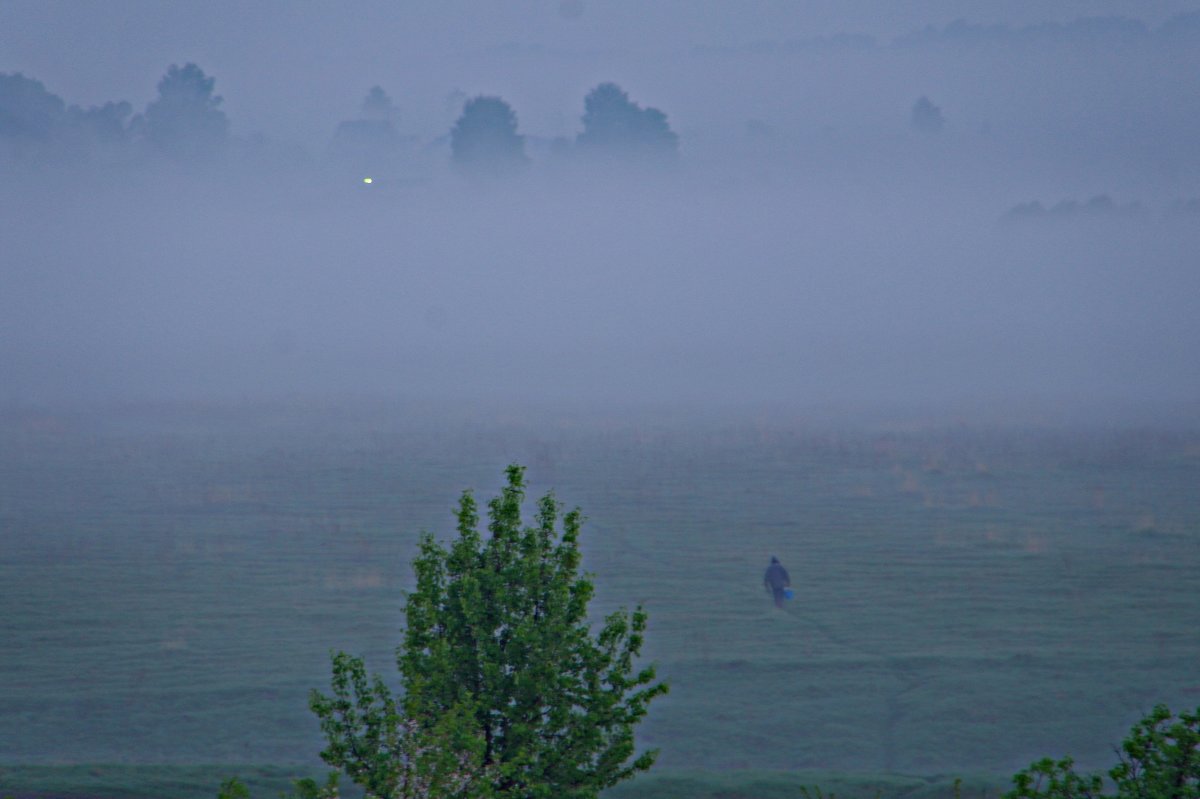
(927, 117)
(613, 123)
(185, 121)
(36, 121)
(370, 142)
(27, 110)
(378, 106)
(105, 123)
(485, 139)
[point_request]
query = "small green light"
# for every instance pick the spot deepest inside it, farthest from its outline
(368, 180)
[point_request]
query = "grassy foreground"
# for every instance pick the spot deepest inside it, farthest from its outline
(139, 782)
(201, 782)
(967, 600)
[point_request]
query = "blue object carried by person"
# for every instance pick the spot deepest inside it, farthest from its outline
(788, 593)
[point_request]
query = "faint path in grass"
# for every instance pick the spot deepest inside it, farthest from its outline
(905, 674)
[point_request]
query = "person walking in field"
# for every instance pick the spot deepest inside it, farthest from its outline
(776, 579)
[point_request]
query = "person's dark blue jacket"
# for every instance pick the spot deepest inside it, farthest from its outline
(776, 578)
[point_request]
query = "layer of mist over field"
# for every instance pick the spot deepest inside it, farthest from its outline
(813, 243)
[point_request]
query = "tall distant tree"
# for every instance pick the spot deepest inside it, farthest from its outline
(185, 121)
(484, 140)
(371, 142)
(614, 124)
(927, 117)
(378, 106)
(27, 111)
(501, 672)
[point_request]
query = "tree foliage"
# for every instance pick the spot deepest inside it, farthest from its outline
(303, 788)
(27, 110)
(1160, 759)
(37, 124)
(614, 124)
(484, 140)
(377, 105)
(503, 678)
(392, 756)
(370, 142)
(233, 788)
(185, 121)
(927, 117)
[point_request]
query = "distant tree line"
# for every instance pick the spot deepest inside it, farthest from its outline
(615, 128)
(185, 123)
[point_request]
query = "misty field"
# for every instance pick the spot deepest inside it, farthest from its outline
(967, 599)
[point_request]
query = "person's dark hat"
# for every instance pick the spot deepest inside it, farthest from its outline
(774, 559)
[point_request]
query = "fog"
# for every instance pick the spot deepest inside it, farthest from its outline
(904, 293)
(1034, 243)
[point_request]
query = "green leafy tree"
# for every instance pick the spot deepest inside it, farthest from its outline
(233, 788)
(1055, 779)
(1160, 759)
(500, 668)
(304, 788)
(389, 755)
(308, 788)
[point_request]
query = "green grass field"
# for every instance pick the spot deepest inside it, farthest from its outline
(967, 599)
(199, 782)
